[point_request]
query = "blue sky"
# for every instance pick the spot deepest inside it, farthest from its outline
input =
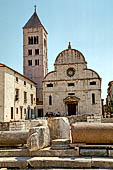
(88, 24)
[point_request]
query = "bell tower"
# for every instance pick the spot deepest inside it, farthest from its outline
(35, 53)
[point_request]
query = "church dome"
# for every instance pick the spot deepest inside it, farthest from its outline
(70, 56)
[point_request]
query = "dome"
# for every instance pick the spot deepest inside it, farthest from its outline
(70, 56)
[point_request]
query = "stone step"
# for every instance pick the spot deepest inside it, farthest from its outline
(94, 152)
(60, 142)
(57, 162)
(60, 147)
(45, 162)
(47, 152)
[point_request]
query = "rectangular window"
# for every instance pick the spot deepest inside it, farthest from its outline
(31, 98)
(36, 51)
(30, 40)
(24, 83)
(25, 97)
(93, 83)
(37, 100)
(50, 100)
(71, 84)
(50, 85)
(24, 111)
(11, 112)
(36, 40)
(29, 52)
(16, 79)
(31, 86)
(16, 94)
(36, 62)
(16, 110)
(29, 62)
(71, 94)
(93, 98)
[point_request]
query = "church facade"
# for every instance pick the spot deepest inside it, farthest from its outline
(71, 88)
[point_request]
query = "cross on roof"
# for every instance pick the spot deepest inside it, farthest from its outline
(35, 7)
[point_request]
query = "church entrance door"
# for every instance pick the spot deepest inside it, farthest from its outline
(71, 109)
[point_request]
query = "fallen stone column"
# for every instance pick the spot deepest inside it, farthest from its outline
(13, 138)
(94, 133)
(39, 137)
(59, 128)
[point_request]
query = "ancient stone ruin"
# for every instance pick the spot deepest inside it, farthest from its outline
(58, 142)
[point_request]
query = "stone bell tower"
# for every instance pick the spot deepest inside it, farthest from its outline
(35, 53)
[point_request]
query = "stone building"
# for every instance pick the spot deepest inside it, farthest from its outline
(71, 88)
(108, 107)
(35, 53)
(17, 95)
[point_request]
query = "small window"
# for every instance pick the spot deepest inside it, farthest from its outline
(36, 62)
(45, 44)
(31, 86)
(17, 95)
(29, 52)
(93, 98)
(71, 84)
(36, 40)
(50, 85)
(93, 83)
(16, 79)
(31, 98)
(11, 112)
(36, 51)
(16, 110)
(71, 94)
(30, 40)
(24, 111)
(25, 97)
(37, 100)
(29, 62)
(24, 83)
(50, 100)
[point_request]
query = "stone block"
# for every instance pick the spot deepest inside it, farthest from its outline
(59, 128)
(93, 152)
(13, 138)
(46, 152)
(40, 122)
(60, 142)
(93, 133)
(60, 162)
(13, 162)
(39, 137)
(102, 162)
(110, 152)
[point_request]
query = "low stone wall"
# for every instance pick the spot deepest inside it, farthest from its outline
(4, 126)
(27, 124)
(22, 125)
(84, 118)
(107, 120)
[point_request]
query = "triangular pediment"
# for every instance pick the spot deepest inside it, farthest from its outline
(71, 99)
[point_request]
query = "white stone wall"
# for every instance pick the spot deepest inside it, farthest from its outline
(10, 85)
(82, 88)
(1, 94)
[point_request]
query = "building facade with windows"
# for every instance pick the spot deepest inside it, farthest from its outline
(71, 88)
(17, 95)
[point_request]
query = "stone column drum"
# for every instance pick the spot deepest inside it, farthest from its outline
(13, 138)
(92, 133)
